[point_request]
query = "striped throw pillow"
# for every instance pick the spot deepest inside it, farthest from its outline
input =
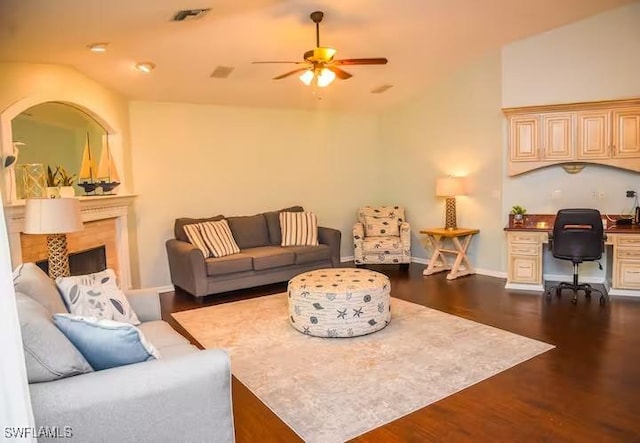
(195, 238)
(299, 229)
(213, 238)
(218, 238)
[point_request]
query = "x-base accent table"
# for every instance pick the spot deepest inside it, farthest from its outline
(438, 261)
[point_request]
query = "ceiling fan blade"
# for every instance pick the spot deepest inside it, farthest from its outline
(341, 74)
(361, 61)
(287, 74)
(297, 63)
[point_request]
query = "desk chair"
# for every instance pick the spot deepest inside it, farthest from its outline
(578, 235)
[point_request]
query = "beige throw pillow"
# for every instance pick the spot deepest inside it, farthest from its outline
(218, 238)
(299, 229)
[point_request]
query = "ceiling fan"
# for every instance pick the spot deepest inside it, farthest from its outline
(319, 63)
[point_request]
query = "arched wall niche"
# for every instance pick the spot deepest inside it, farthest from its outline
(114, 136)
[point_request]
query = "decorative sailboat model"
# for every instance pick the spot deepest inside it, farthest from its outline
(86, 177)
(105, 176)
(108, 178)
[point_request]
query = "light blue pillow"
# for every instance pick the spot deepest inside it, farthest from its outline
(106, 343)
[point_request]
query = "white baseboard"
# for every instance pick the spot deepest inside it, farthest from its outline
(347, 258)
(569, 278)
(624, 292)
(524, 287)
(491, 273)
(422, 261)
(161, 289)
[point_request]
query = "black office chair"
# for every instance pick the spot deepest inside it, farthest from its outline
(578, 235)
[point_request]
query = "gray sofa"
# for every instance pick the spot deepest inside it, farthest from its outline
(261, 259)
(183, 396)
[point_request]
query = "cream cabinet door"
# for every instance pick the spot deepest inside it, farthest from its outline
(626, 274)
(558, 136)
(626, 133)
(525, 269)
(524, 138)
(594, 139)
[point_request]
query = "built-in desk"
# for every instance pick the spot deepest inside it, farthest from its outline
(525, 253)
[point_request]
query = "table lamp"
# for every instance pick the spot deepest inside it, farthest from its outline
(449, 187)
(54, 217)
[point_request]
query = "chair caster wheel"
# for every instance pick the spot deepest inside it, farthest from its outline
(574, 300)
(558, 292)
(602, 301)
(587, 293)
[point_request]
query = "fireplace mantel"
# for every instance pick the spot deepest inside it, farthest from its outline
(92, 208)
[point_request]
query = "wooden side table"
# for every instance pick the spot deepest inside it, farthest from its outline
(438, 261)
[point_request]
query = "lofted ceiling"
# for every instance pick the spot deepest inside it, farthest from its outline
(423, 40)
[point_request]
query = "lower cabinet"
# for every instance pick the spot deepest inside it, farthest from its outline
(626, 262)
(525, 258)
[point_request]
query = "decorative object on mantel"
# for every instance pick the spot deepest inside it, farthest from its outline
(59, 183)
(108, 178)
(87, 174)
(573, 168)
(518, 215)
(105, 176)
(55, 217)
(450, 187)
(12, 158)
(34, 181)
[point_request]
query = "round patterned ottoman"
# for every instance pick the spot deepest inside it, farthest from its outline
(339, 302)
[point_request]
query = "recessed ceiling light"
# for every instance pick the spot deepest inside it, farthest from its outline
(98, 47)
(145, 67)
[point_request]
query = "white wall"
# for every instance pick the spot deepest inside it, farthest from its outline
(594, 59)
(203, 160)
(455, 128)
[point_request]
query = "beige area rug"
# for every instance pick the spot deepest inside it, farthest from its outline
(333, 389)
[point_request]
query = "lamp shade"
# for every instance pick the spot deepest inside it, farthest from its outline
(450, 186)
(52, 216)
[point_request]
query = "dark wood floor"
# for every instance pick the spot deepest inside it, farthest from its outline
(587, 389)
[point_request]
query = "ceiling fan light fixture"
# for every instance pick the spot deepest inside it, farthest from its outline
(325, 77)
(324, 54)
(307, 77)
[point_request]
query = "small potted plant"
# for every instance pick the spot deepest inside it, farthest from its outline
(59, 183)
(518, 214)
(65, 183)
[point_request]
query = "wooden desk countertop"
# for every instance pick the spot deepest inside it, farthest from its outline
(544, 223)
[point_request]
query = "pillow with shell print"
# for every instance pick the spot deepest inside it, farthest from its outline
(96, 295)
(381, 226)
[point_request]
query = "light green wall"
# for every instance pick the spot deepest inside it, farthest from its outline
(203, 160)
(454, 128)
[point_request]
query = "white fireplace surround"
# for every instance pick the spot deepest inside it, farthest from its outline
(92, 208)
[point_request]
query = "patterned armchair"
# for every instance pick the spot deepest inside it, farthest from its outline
(381, 235)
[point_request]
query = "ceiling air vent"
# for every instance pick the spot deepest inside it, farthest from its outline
(381, 89)
(189, 14)
(222, 72)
